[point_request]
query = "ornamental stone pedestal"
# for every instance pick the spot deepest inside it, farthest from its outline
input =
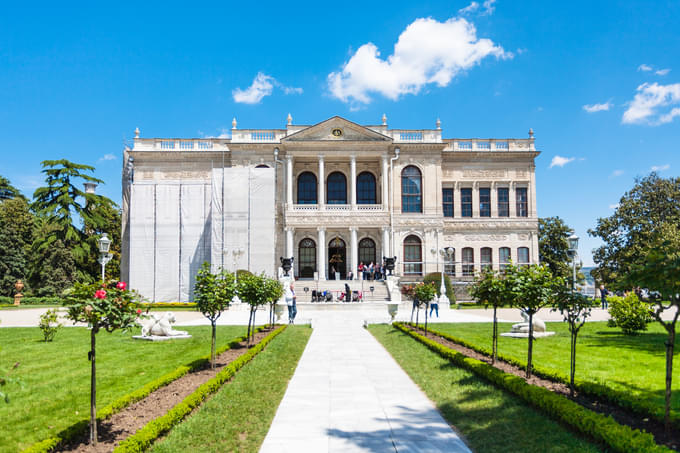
(19, 285)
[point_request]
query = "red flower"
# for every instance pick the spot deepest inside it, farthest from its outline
(139, 311)
(121, 286)
(100, 294)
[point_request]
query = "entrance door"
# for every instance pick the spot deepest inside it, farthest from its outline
(337, 258)
(307, 258)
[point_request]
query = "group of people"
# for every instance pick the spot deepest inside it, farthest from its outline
(372, 271)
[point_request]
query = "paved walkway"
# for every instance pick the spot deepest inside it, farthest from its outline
(349, 395)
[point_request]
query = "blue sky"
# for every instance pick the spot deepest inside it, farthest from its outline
(599, 82)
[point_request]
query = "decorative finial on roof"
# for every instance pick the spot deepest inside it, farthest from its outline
(384, 120)
(439, 124)
(233, 123)
(289, 119)
(531, 133)
(136, 132)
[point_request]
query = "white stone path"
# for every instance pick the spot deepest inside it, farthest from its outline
(349, 395)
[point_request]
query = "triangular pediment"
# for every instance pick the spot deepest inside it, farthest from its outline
(337, 129)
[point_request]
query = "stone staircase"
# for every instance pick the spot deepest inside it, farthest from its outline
(337, 287)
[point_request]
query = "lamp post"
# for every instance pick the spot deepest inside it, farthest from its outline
(104, 255)
(572, 252)
(446, 253)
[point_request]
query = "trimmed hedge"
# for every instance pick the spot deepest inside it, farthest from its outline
(603, 429)
(29, 300)
(167, 304)
(144, 438)
(80, 427)
(594, 389)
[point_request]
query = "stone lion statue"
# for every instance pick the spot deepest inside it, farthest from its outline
(160, 325)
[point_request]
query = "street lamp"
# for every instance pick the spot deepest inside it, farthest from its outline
(104, 255)
(572, 252)
(446, 253)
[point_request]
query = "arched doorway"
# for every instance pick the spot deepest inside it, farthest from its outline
(337, 258)
(367, 251)
(307, 258)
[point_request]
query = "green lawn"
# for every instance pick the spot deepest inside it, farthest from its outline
(635, 365)
(238, 417)
(490, 419)
(56, 376)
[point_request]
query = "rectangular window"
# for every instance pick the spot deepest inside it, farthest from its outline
(466, 202)
(522, 202)
(503, 202)
(447, 202)
(468, 262)
(484, 202)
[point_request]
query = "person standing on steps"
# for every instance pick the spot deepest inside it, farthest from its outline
(290, 301)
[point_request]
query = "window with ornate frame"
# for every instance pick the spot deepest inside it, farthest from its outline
(413, 256)
(366, 188)
(447, 202)
(306, 188)
(468, 262)
(307, 258)
(523, 256)
(466, 202)
(485, 257)
(484, 202)
(503, 194)
(411, 190)
(337, 188)
(522, 202)
(503, 258)
(367, 251)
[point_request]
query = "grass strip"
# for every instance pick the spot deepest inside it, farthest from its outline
(624, 399)
(144, 437)
(238, 417)
(80, 427)
(596, 426)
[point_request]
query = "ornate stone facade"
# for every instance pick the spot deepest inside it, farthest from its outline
(346, 193)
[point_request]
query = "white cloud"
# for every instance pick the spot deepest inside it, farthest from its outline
(644, 67)
(616, 173)
(107, 157)
(660, 167)
(488, 7)
(645, 106)
(592, 108)
(471, 8)
(614, 206)
(662, 72)
(262, 86)
(559, 161)
(427, 52)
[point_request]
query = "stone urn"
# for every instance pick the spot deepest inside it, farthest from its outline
(19, 285)
(392, 308)
(278, 311)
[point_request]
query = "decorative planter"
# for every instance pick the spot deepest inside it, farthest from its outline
(392, 309)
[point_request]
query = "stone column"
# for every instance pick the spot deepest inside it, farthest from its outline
(353, 181)
(385, 182)
(386, 242)
(321, 196)
(457, 207)
(494, 200)
(513, 199)
(532, 195)
(321, 253)
(289, 242)
(354, 251)
(289, 181)
(475, 199)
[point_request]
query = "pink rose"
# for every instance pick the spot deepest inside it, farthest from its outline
(121, 286)
(139, 311)
(100, 294)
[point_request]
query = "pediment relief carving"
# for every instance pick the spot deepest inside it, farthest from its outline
(337, 129)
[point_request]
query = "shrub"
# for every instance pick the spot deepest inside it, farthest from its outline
(49, 324)
(629, 313)
(436, 278)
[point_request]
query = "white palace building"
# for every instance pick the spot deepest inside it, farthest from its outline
(331, 195)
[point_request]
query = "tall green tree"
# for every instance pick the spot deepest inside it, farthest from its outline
(51, 269)
(660, 273)
(553, 246)
(491, 288)
(8, 191)
(16, 236)
(630, 232)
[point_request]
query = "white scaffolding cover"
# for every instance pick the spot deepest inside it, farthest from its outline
(142, 239)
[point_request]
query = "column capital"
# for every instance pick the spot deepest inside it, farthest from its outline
(289, 228)
(385, 229)
(320, 229)
(353, 229)
(320, 157)
(353, 157)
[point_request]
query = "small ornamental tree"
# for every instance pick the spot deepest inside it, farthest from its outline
(425, 292)
(212, 294)
(532, 287)
(575, 308)
(255, 291)
(102, 306)
(660, 275)
(490, 288)
(274, 290)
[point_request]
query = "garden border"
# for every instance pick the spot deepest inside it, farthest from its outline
(602, 428)
(590, 388)
(144, 438)
(78, 428)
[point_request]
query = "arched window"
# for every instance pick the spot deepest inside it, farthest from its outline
(337, 188)
(306, 188)
(468, 262)
(450, 264)
(503, 257)
(367, 251)
(262, 166)
(485, 258)
(307, 258)
(411, 190)
(523, 256)
(413, 256)
(366, 188)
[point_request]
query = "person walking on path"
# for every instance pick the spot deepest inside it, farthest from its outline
(290, 301)
(434, 305)
(603, 297)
